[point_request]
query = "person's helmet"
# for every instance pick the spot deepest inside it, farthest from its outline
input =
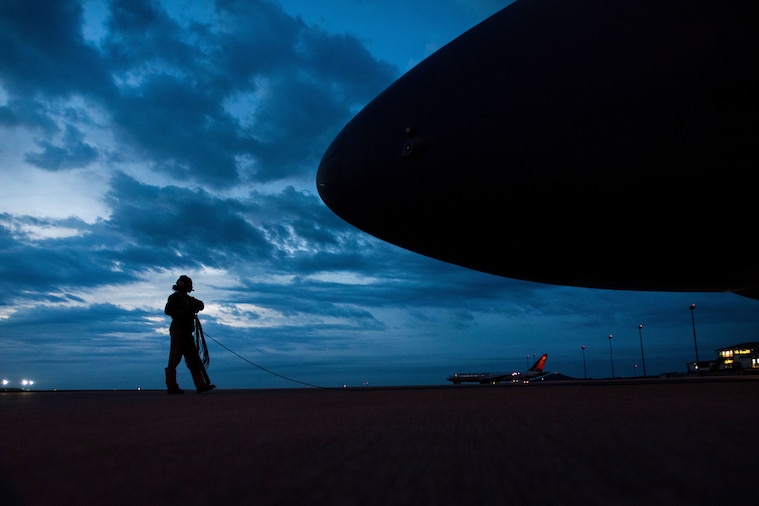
(184, 284)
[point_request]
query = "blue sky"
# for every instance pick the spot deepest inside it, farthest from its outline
(144, 140)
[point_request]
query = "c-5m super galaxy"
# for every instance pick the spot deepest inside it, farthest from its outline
(594, 143)
(484, 378)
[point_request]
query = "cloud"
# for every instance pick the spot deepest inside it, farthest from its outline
(257, 93)
(42, 51)
(73, 152)
(249, 95)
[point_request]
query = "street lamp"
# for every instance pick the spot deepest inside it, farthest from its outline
(693, 321)
(611, 355)
(642, 357)
(584, 369)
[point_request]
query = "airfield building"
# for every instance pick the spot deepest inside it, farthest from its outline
(737, 359)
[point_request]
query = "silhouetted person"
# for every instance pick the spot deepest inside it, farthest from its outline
(183, 309)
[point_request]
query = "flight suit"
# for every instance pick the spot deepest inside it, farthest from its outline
(182, 308)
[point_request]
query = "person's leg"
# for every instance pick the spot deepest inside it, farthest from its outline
(175, 356)
(193, 363)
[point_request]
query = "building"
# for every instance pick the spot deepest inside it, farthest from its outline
(741, 356)
(737, 359)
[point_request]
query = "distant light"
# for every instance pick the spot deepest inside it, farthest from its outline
(5, 382)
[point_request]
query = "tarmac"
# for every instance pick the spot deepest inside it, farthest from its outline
(616, 442)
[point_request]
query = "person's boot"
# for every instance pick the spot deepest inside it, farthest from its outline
(171, 382)
(206, 388)
(200, 378)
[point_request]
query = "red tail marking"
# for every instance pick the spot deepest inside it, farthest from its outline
(541, 362)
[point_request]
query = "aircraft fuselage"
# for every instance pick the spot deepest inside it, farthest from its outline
(584, 143)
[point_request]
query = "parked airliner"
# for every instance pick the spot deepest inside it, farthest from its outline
(485, 378)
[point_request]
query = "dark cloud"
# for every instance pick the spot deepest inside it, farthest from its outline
(182, 225)
(153, 227)
(99, 318)
(181, 129)
(38, 272)
(168, 87)
(72, 153)
(253, 38)
(141, 37)
(42, 50)
(26, 111)
(188, 76)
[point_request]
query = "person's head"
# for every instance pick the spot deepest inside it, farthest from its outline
(184, 284)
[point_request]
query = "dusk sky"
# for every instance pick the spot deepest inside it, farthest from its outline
(142, 140)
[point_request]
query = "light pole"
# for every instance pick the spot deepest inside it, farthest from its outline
(584, 369)
(642, 357)
(611, 355)
(527, 357)
(693, 321)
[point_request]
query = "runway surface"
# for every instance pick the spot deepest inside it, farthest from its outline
(645, 442)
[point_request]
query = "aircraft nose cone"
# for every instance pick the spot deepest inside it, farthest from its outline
(328, 175)
(358, 176)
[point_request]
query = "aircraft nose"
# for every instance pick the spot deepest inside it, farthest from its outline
(359, 177)
(328, 175)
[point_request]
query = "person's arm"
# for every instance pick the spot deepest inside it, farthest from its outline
(196, 304)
